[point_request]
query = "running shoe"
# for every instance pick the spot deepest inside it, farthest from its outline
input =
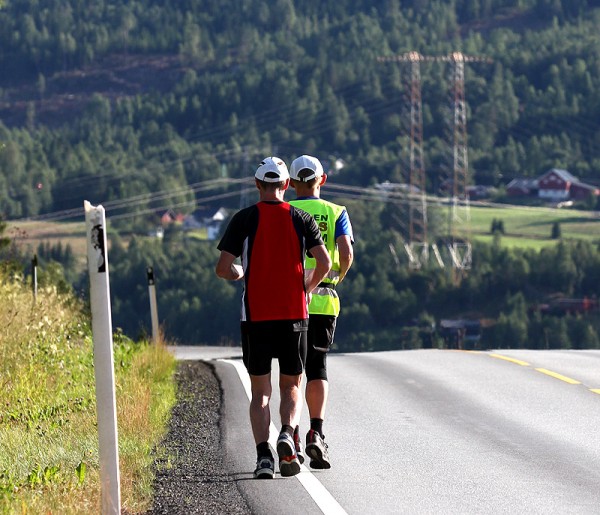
(316, 449)
(265, 468)
(298, 446)
(289, 465)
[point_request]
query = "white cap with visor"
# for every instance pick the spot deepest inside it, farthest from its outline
(272, 169)
(309, 163)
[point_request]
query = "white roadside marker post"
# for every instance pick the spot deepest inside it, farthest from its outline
(106, 405)
(34, 278)
(153, 306)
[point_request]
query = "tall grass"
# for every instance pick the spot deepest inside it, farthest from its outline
(48, 434)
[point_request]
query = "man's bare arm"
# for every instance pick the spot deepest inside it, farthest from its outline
(346, 252)
(227, 269)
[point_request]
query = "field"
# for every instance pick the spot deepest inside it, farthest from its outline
(531, 227)
(525, 227)
(27, 235)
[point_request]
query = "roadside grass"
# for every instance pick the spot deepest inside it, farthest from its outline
(48, 434)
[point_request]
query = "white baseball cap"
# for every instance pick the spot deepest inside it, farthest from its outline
(272, 169)
(306, 163)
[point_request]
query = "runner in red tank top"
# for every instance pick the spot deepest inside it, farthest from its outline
(271, 238)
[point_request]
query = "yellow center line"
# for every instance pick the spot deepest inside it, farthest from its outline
(558, 376)
(512, 360)
(544, 371)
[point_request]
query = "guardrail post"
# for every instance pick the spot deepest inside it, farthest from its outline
(106, 406)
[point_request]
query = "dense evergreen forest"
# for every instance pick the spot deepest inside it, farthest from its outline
(149, 105)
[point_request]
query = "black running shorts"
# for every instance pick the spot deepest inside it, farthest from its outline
(321, 329)
(284, 340)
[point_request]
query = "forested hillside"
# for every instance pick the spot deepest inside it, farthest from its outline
(148, 105)
(112, 98)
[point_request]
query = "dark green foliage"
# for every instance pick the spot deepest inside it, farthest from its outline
(242, 79)
(497, 227)
(57, 264)
(194, 306)
(4, 241)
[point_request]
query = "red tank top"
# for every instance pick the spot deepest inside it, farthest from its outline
(275, 273)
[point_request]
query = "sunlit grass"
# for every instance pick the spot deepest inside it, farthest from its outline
(524, 227)
(536, 222)
(144, 402)
(28, 234)
(516, 241)
(48, 434)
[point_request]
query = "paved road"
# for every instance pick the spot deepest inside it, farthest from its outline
(446, 432)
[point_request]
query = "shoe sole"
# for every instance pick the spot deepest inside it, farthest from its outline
(285, 449)
(264, 474)
(317, 456)
(289, 467)
(288, 461)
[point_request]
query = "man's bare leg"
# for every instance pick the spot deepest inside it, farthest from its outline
(289, 411)
(317, 392)
(291, 399)
(260, 415)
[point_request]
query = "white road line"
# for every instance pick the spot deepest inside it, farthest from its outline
(307, 479)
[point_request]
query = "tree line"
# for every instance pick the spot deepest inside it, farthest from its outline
(292, 76)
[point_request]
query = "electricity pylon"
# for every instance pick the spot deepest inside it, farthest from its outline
(460, 249)
(417, 247)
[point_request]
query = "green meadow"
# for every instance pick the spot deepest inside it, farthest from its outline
(530, 227)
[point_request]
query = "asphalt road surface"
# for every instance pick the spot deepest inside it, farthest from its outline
(437, 432)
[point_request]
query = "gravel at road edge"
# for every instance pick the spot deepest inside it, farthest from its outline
(190, 474)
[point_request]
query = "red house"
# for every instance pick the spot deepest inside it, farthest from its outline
(167, 217)
(582, 191)
(522, 187)
(557, 185)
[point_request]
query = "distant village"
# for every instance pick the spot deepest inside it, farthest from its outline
(555, 187)
(210, 221)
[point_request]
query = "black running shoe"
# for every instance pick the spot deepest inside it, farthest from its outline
(289, 465)
(316, 449)
(265, 468)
